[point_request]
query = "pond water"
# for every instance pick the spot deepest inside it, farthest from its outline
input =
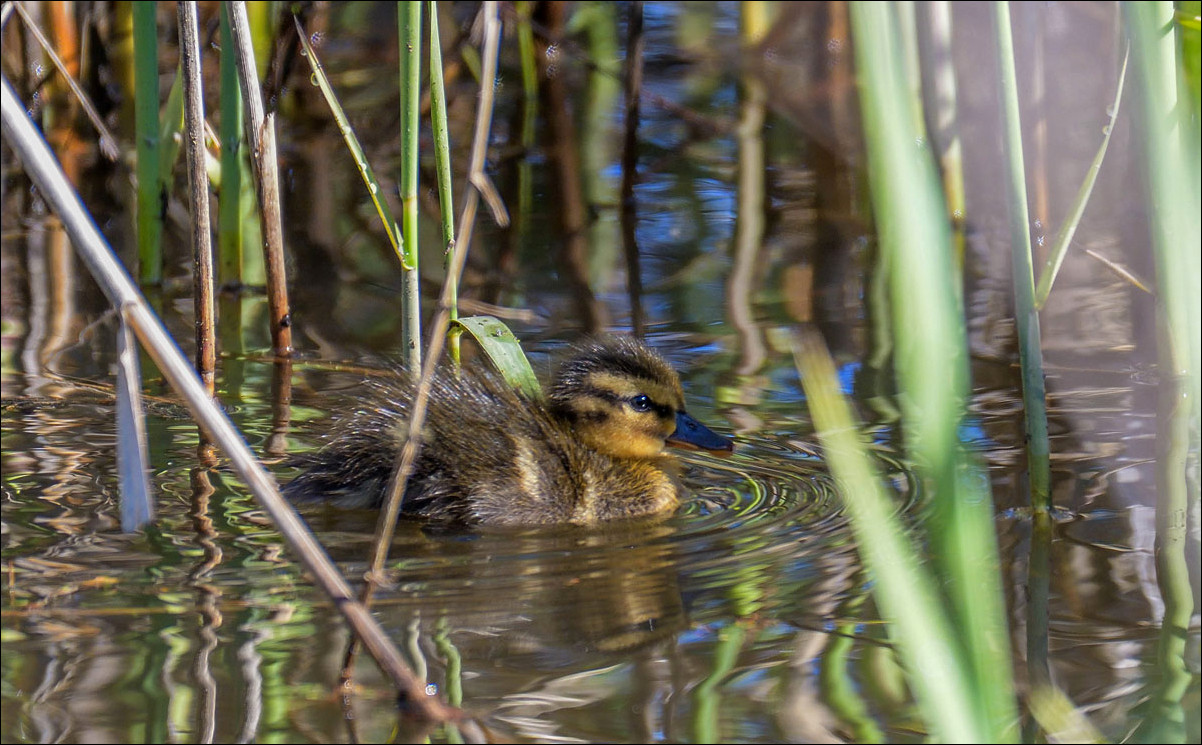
(744, 617)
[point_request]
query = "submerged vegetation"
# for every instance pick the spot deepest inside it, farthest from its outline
(881, 128)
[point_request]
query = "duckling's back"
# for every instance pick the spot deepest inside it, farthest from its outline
(489, 455)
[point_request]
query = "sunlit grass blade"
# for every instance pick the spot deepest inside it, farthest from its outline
(931, 359)
(1056, 256)
(504, 351)
(133, 463)
(905, 592)
(391, 227)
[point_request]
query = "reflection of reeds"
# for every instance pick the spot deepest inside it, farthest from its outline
(628, 213)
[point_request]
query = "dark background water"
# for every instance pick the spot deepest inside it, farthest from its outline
(746, 617)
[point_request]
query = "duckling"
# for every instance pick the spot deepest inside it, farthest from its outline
(592, 451)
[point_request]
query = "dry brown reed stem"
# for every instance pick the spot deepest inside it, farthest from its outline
(198, 187)
(41, 166)
(260, 133)
(630, 157)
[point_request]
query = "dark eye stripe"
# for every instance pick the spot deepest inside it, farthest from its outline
(661, 410)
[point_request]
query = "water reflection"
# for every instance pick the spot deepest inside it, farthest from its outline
(744, 617)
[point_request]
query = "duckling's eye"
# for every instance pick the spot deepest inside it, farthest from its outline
(641, 403)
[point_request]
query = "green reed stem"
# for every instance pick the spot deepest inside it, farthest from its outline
(907, 26)
(442, 153)
(229, 233)
(1170, 139)
(261, 22)
(932, 372)
(1172, 149)
(409, 23)
(150, 199)
(1025, 315)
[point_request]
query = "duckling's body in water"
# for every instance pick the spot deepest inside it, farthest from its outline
(592, 451)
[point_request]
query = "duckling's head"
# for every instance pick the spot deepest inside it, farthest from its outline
(624, 400)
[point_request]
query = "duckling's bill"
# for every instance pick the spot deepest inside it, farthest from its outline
(693, 435)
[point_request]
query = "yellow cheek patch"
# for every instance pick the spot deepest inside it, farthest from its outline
(622, 438)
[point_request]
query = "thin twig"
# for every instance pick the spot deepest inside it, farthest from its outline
(108, 143)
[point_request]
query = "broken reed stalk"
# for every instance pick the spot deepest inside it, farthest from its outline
(46, 173)
(198, 186)
(260, 134)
